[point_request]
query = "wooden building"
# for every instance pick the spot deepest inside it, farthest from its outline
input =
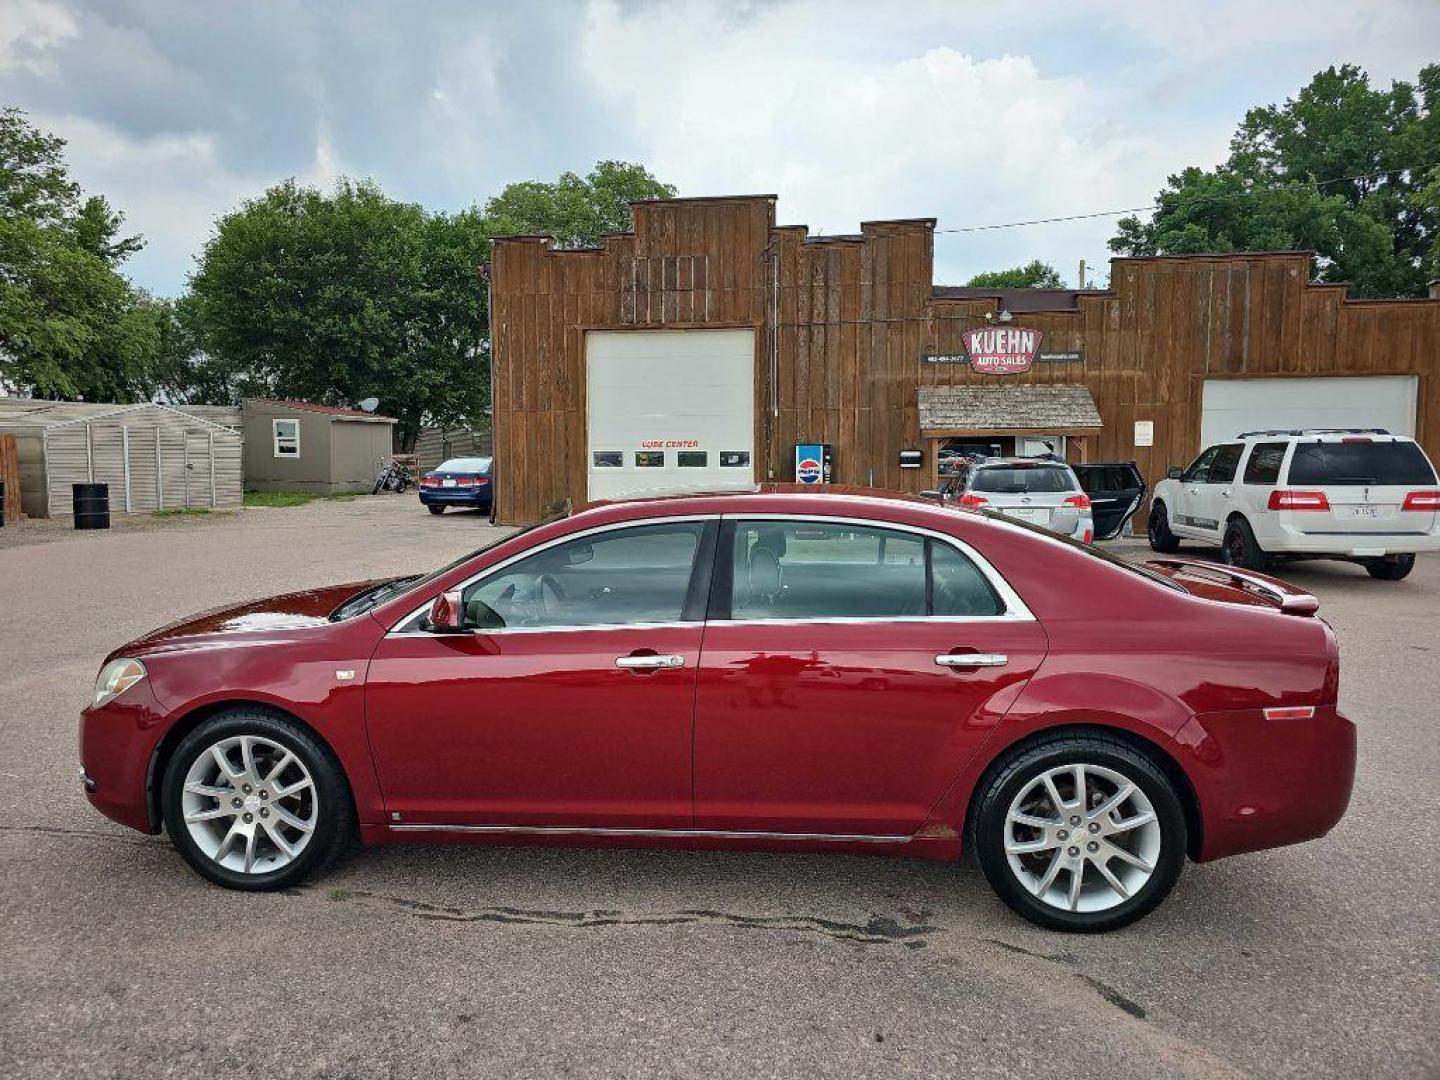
(703, 348)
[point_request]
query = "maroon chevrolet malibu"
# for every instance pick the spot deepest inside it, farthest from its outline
(777, 670)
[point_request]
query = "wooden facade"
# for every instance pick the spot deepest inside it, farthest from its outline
(842, 324)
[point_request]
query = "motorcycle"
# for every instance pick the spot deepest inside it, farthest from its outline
(393, 476)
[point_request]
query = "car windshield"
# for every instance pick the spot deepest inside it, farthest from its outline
(363, 602)
(1352, 464)
(1022, 479)
(465, 465)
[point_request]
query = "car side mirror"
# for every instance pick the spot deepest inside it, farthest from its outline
(447, 613)
(1174, 472)
(933, 494)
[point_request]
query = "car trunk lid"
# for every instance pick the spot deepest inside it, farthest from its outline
(1231, 585)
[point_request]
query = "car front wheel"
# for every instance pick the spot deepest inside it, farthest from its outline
(1158, 531)
(1082, 833)
(252, 801)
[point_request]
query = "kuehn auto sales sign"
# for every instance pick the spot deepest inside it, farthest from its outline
(1002, 350)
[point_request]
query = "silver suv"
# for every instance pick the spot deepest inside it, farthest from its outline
(1360, 495)
(1041, 491)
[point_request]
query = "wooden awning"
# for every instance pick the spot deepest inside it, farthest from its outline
(1055, 410)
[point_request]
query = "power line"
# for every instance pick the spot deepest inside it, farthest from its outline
(1213, 196)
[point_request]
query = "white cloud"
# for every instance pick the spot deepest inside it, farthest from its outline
(173, 186)
(777, 104)
(29, 31)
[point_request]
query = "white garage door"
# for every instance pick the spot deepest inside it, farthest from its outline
(1235, 405)
(669, 411)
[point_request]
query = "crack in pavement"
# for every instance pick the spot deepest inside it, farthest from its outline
(84, 834)
(878, 930)
(1050, 977)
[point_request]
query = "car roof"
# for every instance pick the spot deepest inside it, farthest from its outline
(1025, 462)
(1319, 435)
(833, 499)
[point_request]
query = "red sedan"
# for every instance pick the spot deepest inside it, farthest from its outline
(839, 671)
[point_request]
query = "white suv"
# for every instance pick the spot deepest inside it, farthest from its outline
(1363, 496)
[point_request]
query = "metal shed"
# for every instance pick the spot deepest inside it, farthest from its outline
(152, 456)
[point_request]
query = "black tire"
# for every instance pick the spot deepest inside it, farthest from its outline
(378, 485)
(1239, 547)
(335, 830)
(1394, 568)
(435, 509)
(1008, 778)
(1158, 531)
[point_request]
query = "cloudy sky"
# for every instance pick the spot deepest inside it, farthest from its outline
(972, 113)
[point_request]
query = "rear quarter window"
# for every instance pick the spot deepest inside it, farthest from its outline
(1355, 464)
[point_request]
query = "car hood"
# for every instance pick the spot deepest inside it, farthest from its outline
(289, 611)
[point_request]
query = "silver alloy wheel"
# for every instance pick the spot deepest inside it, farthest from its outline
(1082, 838)
(250, 804)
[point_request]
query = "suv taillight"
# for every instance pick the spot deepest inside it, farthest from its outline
(1281, 499)
(972, 501)
(1422, 500)
(1080, 501)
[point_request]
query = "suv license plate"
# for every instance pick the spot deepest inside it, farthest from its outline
(1361, 512)
(1029, 514)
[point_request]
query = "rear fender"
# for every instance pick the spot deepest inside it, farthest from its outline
(1049, 701)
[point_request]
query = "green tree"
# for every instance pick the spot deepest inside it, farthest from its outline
(1341, 169)
(1033, 275)
(338, 297)
(71, 325)
(576, 211)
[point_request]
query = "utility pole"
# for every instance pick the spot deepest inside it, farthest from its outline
(1082, 273)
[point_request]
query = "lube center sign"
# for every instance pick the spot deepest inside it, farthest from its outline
(1002, 350)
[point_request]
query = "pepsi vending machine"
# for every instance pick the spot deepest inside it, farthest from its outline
(812, 463)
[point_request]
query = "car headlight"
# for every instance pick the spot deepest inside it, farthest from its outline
(116, 677)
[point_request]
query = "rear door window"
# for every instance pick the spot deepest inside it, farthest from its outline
(1222, 468)
(1263, 466)
(1359, 464)
(828, 570)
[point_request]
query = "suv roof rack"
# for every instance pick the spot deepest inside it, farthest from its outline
(1314, 431)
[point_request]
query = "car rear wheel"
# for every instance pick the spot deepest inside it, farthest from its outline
(1392, 569)
(252, 801)
(436, 509)
(1158, 531)
(1239, 546)
(1082, 834)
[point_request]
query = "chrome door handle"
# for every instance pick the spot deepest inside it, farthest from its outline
(972, 659)
(645, 663)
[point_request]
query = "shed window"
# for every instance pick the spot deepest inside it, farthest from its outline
(287, 438)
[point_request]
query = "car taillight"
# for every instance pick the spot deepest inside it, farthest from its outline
(972, 501)
(482, 481)
(1080, 501)
(466, 481)
(429, 481)
(1280, 499)
(1422, 500)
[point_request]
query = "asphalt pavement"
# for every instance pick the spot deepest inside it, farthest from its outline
(116, 960)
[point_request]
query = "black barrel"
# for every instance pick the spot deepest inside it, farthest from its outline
(92, 506)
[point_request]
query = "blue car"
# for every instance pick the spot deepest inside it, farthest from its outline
(463, 482)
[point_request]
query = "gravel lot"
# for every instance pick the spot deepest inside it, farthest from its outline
(116, 960)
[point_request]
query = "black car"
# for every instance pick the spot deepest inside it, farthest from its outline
(463, 482)
(1116, 490)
